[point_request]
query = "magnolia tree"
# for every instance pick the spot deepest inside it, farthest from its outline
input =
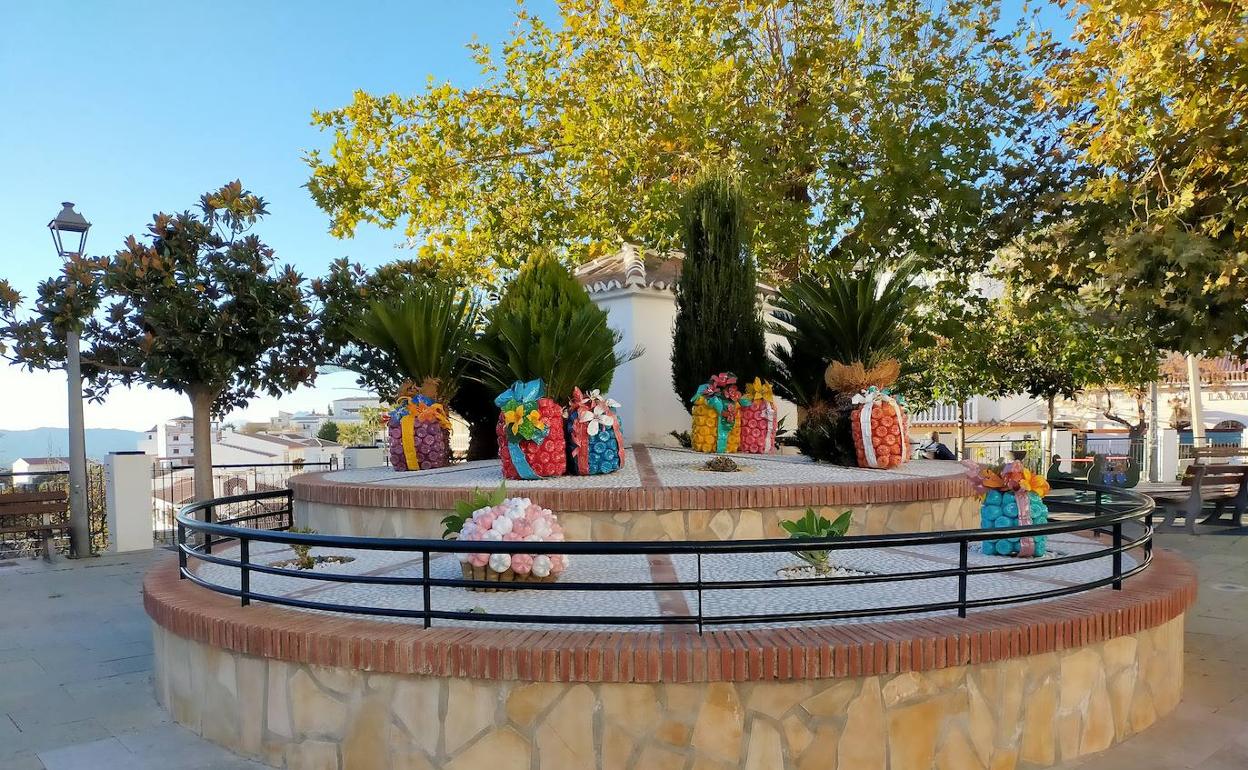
(198, 306)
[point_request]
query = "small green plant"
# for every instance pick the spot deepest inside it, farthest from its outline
(452, 523)
(682, 436)
(813, 526)
(303, 553)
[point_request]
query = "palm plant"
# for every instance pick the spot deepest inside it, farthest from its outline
(546, 327)
(422, 334)
(852, 317)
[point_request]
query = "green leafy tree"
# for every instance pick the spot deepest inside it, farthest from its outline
(546, 326)
(365, 431)
(328, 431)
(718, 322)
(1157, 98)
(861, 127)
(200, 308)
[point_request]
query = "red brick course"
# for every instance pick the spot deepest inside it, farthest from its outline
(1158, 595)
(649, 496)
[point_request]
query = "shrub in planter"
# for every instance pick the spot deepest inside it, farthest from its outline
(545, 329)
(515, 519)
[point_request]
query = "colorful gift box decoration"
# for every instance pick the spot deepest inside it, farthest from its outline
(1012, 497)
(515, 519)
(759, 420)
(880, 429)
(531, 443)
(595, 436)
(419, 429)
(716, 412)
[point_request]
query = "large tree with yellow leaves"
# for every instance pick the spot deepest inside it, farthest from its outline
(857, 127)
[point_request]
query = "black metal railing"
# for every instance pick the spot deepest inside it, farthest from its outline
(1099, 511)
(173, 486)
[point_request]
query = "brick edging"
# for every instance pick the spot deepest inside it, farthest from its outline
(1158, 595)
(316, 488)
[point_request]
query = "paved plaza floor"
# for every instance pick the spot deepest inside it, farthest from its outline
(75, 671)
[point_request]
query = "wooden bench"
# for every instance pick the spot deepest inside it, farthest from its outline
(1223, 453)
(30, 513)
(1221, 485)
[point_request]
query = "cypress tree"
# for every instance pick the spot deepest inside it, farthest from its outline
(719, 327)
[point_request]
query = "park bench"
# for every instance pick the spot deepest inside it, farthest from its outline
(1205, 454)
(1221, 484)
(30, 514)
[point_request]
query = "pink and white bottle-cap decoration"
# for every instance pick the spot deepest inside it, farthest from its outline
(516, 519)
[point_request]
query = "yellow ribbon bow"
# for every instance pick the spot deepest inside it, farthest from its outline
(759, 391)
(430, 412)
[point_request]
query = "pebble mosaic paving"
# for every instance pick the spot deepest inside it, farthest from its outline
(674, 468)
(640, 569)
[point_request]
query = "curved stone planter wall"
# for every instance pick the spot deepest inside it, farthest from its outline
(1022, 687)
(709, 507)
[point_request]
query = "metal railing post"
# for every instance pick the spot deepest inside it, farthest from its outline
(424, 569)
(181, 540)
(699, 554)
(244, 556)
(1117, 556)
(208, 519)
(964, 547)
(1148, 524)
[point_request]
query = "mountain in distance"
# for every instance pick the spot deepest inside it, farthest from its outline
(54, 442)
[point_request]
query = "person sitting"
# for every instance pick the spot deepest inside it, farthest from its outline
(1056, 473)
(935, 450)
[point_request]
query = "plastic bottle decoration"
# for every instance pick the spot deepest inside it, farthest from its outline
(595, 436)
(515, 519)
(716, 407)
(759, 420)
(1013, 497)
(880, 429)
(419, 429)
(531, 442)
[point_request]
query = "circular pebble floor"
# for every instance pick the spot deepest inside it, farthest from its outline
(646, 602)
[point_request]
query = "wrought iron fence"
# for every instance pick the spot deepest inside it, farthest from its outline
(21, 543)
(174, 486)
(209, 533)
(988, 452)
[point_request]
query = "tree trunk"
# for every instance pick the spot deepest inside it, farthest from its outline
(201, 416)
(1048, 442)
(962, 451)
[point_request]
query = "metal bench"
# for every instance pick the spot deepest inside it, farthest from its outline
(30, 513)
(1221, 485)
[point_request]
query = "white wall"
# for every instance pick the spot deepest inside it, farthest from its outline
(650, 409)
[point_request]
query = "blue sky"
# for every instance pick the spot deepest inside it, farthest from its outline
(128, 107)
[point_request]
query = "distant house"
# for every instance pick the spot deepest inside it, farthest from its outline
(27, 470)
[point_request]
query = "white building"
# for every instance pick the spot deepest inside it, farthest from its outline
(27, 470)
(345, 410)
(634, 285)
(174, 439)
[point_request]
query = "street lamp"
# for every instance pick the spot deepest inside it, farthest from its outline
(69, 234)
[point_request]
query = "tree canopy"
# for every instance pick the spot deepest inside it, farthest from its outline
(199, 307)
(856, 127)
(1156, 96)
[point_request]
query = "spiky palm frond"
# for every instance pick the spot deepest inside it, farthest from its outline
(846, 317)
(426, 333)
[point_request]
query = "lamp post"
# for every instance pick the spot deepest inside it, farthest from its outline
(67, 227)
